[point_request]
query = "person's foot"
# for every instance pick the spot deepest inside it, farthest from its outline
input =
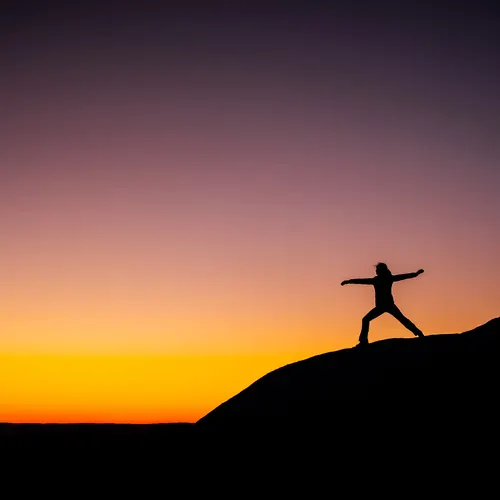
(362, 343)
(419, 334)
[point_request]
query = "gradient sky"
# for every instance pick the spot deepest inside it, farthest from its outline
(182, 190)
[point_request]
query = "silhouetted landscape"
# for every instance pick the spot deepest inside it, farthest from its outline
(395, 389)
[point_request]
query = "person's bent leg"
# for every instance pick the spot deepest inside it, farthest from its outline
(365, 324)
(406, 322)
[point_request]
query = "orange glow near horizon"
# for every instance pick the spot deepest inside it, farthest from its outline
(123, 389)
(134, 388)
(112, 354)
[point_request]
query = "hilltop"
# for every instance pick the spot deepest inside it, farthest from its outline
(447, 379)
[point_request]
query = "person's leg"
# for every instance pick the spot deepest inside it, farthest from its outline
(405, 321)
(365, 324)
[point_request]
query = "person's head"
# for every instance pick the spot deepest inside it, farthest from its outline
(382, 270)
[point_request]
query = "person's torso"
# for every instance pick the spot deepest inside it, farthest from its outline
(383, 290)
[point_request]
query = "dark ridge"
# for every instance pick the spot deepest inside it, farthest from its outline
(389, 382)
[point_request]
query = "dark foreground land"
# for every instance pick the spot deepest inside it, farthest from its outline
(411, 399)
(439, 383)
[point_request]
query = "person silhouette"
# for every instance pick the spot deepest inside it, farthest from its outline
(384, 301)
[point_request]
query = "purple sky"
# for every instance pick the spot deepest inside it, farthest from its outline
(229, 161)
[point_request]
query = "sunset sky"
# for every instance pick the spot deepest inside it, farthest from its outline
(182, 190)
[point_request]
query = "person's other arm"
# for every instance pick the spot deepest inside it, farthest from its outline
(401, 277)
(358, 281)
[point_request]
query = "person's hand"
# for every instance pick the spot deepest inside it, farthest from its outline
(420, 271)
(343, 283)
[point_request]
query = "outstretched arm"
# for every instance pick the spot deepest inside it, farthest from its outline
(358, 281)
(401, 277)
